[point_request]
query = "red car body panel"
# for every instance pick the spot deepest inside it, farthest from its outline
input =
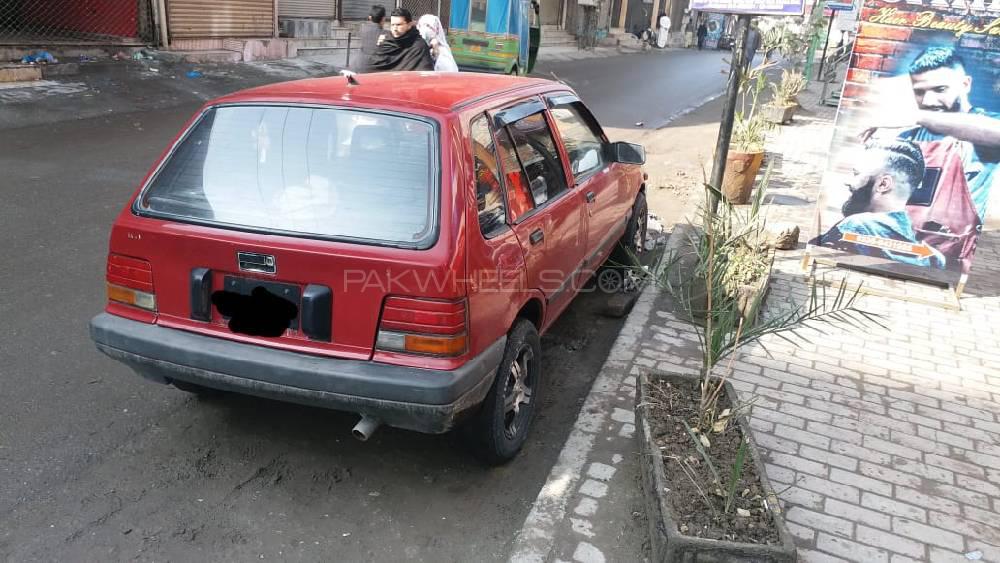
(500, 278)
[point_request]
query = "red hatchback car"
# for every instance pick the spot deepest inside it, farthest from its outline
(390, 246)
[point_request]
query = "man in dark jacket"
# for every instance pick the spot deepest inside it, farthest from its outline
(371, 30)
(404, 50)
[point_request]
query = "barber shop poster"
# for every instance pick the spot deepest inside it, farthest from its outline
(913, 171)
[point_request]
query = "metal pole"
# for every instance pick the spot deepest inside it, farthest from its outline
(729, 109)
(348, 62)
(822, 61)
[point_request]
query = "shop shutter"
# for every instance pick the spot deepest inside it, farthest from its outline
(354, 10)
(307, 9)
(195, 19)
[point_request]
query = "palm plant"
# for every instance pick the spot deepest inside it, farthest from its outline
(728, 255)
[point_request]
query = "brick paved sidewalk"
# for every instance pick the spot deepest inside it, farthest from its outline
(889, 439)
(884, 442)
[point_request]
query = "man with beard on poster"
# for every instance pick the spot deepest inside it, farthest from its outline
(883, 179)
(404, 50)
(941, 87)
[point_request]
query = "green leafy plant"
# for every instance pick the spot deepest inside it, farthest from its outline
(750, 128)
(735, 475)
(725, 256)
(785, 92)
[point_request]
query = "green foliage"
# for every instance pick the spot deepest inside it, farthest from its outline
(750, 128)
(736, 475)
(792, 84)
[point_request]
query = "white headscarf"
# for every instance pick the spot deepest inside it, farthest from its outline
(432, 31)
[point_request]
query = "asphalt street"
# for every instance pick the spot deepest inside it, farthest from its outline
(649, 88)
(97, 464)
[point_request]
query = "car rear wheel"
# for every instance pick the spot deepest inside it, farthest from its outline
(633, 242)
(501, 427)
(206, 392)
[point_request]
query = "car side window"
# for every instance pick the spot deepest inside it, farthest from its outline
(581, 137)
(519, 199)
(489, 190)
(536, 149)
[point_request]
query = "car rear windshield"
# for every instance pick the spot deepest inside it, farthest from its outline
(323, 172)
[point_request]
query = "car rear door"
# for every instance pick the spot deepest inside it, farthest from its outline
(599, 180)
(317, 214)
(547, 214)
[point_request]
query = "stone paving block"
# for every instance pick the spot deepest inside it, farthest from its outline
(884, 446)
(777, 445)
(923, 470)
(963, 525)
(927, 534)
(824, 456)
(820, 521)
(860, 481)
(826, 487)
(891, 542)
(978, 485)
(961, 495)
(805, 391)
(807, 438)
(835, 432)
(798, 464)
(801, 532)
(889, 475)
(893, 507)
(859, 452)
(929, 501)
(938, 555)
(810, 556)
(851, 550)
(956, 466)
(855, 513)
(908, 439)
(594, 489)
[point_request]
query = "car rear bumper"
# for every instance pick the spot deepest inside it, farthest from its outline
(416, 399)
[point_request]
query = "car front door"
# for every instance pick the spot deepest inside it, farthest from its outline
(546, 213)
(594, 175)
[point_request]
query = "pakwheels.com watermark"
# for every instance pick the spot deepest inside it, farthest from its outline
(410, 282)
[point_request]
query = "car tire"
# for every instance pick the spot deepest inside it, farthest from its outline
(500, 428)
(633, 241)
(195, 389)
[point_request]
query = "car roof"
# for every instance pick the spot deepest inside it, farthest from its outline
(441, 91)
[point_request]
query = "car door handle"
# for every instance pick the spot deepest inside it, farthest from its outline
(591, 196)
(537, 236)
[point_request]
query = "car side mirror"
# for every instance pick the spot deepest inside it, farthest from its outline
(628, 153)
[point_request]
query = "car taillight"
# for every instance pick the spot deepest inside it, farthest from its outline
(423, 326)
(130, 281)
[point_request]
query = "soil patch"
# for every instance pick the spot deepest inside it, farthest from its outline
(674, 403)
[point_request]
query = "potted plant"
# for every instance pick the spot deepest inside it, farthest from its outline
(746, 149)
(784, 101)
(708, 497)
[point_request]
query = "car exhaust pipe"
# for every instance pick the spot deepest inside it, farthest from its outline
(366, 427)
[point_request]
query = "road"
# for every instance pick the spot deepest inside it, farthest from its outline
(99, 465)
(649, 88)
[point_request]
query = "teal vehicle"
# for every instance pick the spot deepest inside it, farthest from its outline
(494, 35)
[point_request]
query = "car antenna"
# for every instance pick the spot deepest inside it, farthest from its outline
(352, 81)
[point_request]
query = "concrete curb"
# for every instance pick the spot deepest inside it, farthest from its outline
(538, 533)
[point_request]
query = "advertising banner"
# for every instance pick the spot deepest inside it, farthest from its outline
(914, 162)
(752, 7)
(715, 25)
